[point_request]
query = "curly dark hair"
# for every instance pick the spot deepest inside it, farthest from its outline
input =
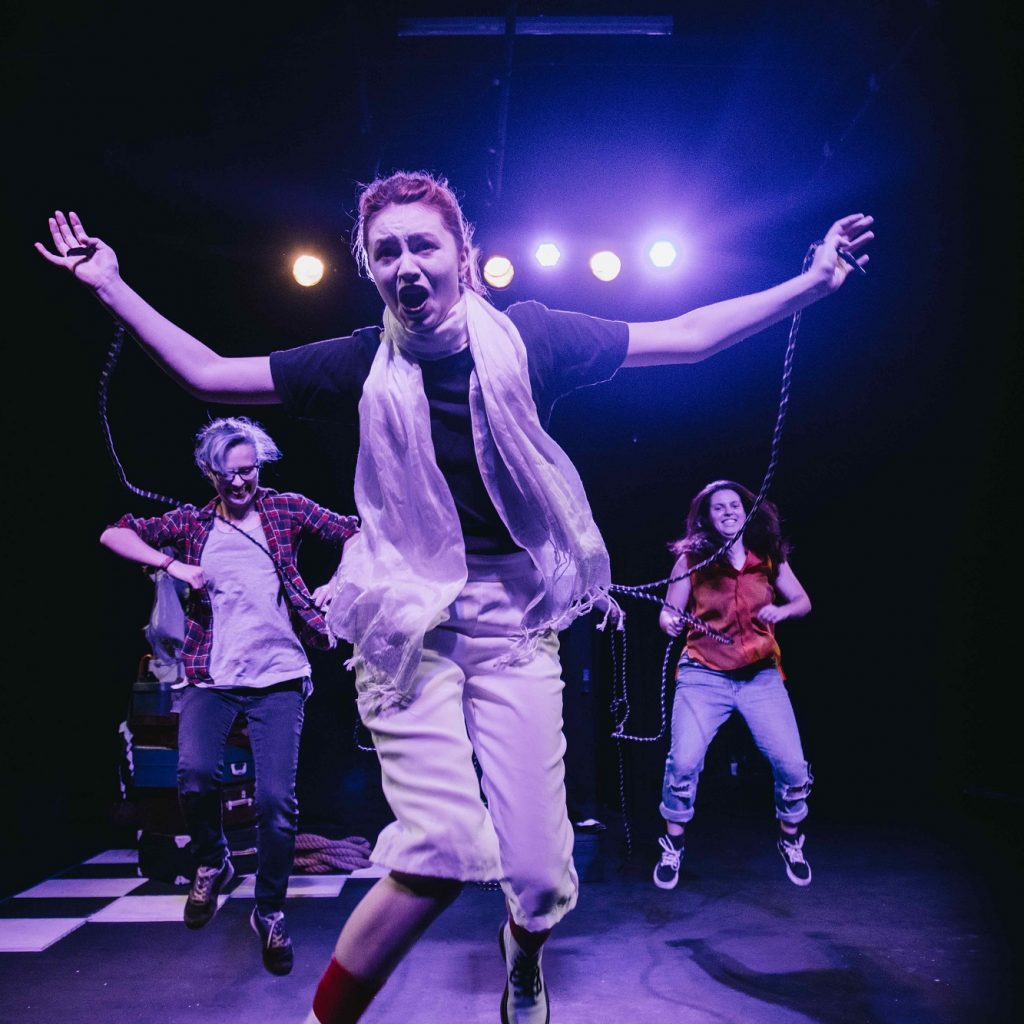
(763, 534)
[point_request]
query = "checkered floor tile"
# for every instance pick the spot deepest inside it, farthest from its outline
(107, 890)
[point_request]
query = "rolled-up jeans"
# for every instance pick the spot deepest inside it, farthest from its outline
(704, 700)
(473, 695)
(275, 717)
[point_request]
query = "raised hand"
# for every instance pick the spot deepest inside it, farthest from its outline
(849, 234)
(95, 267)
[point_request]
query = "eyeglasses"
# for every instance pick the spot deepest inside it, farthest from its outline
(245, 472)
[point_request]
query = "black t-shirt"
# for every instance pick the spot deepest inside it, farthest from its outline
(323, 380)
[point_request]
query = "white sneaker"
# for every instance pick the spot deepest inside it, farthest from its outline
(525, 999)
(666, 871)
(797, 869)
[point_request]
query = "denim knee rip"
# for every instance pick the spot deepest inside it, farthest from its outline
(683, 790)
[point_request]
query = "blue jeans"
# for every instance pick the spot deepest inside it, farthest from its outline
(275, 724)
(704, 701)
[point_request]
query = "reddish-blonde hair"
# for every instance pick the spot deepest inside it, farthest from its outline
(417, 187)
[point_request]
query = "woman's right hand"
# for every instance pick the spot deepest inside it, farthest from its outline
(193, 575)
(96, 269)
(671, 623)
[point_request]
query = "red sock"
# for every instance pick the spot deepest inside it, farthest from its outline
(528, 942)
(341, 997)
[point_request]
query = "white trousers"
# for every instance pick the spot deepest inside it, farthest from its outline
(511, 717)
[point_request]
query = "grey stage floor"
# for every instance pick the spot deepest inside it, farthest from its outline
(898, 927)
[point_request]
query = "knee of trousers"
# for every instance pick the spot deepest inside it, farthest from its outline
(541, 897)
(681, 783)
(794, 780)
(278, 809)
(197, 780)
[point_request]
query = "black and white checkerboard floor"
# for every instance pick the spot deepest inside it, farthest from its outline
(898, 927)
(107, 890)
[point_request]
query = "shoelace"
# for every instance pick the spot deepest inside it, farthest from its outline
(794, 851)
(670, 856)
(276, 935)
(525, 975)
(203, 883)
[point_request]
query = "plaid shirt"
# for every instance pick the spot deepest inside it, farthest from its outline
(284, 518)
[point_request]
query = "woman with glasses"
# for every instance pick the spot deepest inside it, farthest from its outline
(248, 615)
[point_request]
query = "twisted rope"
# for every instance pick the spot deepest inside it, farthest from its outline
(113, 353)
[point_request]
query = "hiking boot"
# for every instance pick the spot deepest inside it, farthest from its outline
(797, 868)
(666, 871)
(275, 943)
(525, 999)
(201, 904)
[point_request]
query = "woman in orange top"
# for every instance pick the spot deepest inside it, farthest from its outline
(743, 593)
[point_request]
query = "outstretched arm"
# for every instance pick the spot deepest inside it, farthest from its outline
(709, 329)
(195, 366)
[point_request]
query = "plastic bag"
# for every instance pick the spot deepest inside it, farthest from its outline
(165, 631)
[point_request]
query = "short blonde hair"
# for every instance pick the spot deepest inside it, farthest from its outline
(219, 436)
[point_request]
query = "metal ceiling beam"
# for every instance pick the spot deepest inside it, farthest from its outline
(510, 27)
(538, 26)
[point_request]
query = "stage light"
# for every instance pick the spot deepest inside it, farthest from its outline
(605, 265)
(498, 271)
(308, 271)
(662, 254)
(548, 254)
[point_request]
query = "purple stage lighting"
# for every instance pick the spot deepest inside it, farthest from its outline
(605, 265)
(499, 271)
(548, 254)
(662, 254)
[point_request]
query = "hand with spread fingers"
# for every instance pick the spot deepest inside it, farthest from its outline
(87, 257)
(850, 234)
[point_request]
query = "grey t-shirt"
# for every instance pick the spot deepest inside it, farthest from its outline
(254, 643)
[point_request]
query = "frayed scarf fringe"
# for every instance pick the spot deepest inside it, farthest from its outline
(528, 641)
(379, 695)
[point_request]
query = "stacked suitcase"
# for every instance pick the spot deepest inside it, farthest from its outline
(149, 777)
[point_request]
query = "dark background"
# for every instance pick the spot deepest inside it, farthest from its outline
(207, 143)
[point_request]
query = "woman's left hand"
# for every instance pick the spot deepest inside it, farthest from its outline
(850, 234)
(771, 613)
(323, 594)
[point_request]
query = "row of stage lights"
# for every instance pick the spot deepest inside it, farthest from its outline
(499, 270)
(604, 265)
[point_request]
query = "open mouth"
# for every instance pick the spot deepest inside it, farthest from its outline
(413, 297)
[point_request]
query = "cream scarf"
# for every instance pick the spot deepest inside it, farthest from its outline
(408, 562)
